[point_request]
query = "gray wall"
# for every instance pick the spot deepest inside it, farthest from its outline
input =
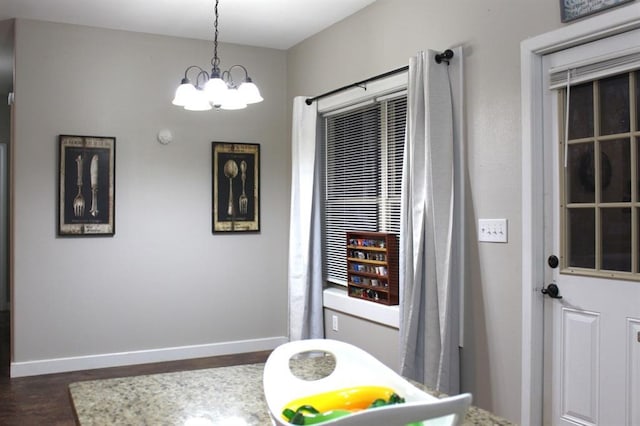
(381, 38)
(163, 280)
(379, 340)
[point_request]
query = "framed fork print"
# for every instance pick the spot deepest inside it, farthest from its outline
(86, 182)
(236, 187)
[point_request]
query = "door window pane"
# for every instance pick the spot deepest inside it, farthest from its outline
(637, 230)
(615, 170)
(582, 238)
(637, 143)
(601, 186)
(581, 173)
(614, 105)
(616, 240)
(637, 100)
(581, 111)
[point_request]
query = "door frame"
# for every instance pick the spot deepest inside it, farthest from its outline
(532, 50)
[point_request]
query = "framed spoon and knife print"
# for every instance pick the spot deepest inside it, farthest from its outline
(236, 187)
(86, 181)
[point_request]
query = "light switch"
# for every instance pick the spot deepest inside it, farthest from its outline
(492, 230)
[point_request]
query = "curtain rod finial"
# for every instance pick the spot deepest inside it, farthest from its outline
(444, 56)
(308, 101)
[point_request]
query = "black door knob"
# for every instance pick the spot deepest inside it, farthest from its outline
(552, 291)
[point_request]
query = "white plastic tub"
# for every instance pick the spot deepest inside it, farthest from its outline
(355, 367)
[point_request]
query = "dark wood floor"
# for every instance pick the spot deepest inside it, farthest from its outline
(44, 400)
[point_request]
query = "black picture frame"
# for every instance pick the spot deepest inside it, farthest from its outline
(235, 187)
(86, 182)
(575, 9)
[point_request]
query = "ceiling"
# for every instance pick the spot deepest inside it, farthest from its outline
(278, 24)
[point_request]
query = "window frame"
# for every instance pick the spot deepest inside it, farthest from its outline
(597, 205)
(383, 89)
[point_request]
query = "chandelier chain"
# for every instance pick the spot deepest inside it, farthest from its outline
(215, 61)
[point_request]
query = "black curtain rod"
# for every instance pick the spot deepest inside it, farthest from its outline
(440, 57)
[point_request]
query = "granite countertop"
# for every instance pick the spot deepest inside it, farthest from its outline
(229, 396)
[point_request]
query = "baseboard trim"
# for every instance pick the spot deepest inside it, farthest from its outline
(62, 365)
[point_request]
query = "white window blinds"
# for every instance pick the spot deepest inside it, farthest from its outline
(363, 175)
(594, 69)
(595, 60)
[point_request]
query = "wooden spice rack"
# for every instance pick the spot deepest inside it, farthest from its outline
(372, 266)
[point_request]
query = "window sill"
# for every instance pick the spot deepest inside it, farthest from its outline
(338, 300)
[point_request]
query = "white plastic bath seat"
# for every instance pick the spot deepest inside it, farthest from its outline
(355, 367)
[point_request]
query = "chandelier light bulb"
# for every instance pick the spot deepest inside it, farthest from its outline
(199, 102)
(216, 90)
(184, 93)
(233, 100)
(250, 92)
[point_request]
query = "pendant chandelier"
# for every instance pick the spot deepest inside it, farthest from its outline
(218, 89)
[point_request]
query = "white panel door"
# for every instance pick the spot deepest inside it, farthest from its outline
(592, 227)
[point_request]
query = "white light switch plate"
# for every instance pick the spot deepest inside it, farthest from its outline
(492, 230)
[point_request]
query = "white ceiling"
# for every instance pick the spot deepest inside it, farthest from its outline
(278, 24)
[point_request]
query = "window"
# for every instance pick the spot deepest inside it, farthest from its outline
(362, 175)
(601, 192)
